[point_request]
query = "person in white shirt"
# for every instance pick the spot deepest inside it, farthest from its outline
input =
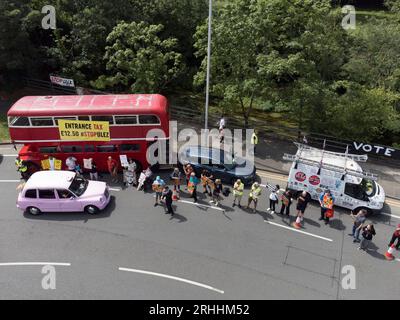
(221, 123)
(273, 199)
(71, 163)
(52, 163)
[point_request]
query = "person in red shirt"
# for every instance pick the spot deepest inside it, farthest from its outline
(112, 169)
(396, 235)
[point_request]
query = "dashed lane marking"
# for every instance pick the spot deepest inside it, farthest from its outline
(201, 205)
(390, 215)
(10, 180)
(9, 155)
(299, 231)
(162, 275)
(35, 264)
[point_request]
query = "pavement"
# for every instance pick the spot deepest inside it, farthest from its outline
(133, 250)
(270, 151)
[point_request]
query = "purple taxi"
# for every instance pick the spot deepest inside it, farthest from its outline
(62, 191)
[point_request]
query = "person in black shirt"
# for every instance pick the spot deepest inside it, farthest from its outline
(167, 196)
(302, 202)
(286, 202)
(367, 234)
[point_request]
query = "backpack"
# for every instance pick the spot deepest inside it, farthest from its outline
(226, 191)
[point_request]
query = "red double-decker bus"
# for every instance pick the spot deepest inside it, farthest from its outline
(33, 122)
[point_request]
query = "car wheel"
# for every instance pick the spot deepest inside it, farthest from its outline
(90, 209)
(34, 211)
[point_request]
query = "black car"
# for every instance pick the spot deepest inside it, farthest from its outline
(222, 165)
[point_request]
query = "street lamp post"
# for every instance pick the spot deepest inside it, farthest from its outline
(208, 64)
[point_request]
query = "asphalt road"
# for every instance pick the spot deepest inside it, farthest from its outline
(200, 253)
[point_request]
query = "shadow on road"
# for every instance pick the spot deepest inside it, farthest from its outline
(373, 252)
(74, 216)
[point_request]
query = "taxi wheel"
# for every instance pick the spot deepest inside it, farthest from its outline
(34, 211)
(91, 209)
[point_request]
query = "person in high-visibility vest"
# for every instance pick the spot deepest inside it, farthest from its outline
(158, 186)
(22, 168)
(238, 188)
(326, 201)
(255, 192)
(254, 140)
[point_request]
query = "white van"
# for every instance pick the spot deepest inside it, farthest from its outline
(316, 170)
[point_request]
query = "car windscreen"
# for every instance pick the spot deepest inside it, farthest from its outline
(369, 187)
(78, 185)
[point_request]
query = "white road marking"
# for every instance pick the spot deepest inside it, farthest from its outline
(299, 231)
(10, 155)
(173, 278)
(115, 189)
(390, 215)
(397, 260)
(10, 180)
(34, 264)
(201, 205)
(197, 204)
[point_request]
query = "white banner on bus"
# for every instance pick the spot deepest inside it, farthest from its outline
(62, 81)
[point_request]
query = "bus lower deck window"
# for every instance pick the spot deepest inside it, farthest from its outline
(129, 147)
(48, 149)
(90, 148)
(106, 148)
(71, 149)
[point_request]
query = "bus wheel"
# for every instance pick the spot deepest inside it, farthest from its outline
(34, 211)
(90, 209)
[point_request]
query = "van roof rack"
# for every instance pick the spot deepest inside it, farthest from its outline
(298, 158)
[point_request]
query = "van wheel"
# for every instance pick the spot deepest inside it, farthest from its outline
(91, 209)
(34, 211)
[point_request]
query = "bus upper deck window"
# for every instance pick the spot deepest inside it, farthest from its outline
(125, 120)
(62, 118)
(109, 119)
(42, 122)
(148, 119)
(18, 121)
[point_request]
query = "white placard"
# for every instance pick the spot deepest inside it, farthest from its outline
(124, 160)
(87, 164)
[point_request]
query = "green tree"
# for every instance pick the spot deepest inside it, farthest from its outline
(137, 59)
(273, 49)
